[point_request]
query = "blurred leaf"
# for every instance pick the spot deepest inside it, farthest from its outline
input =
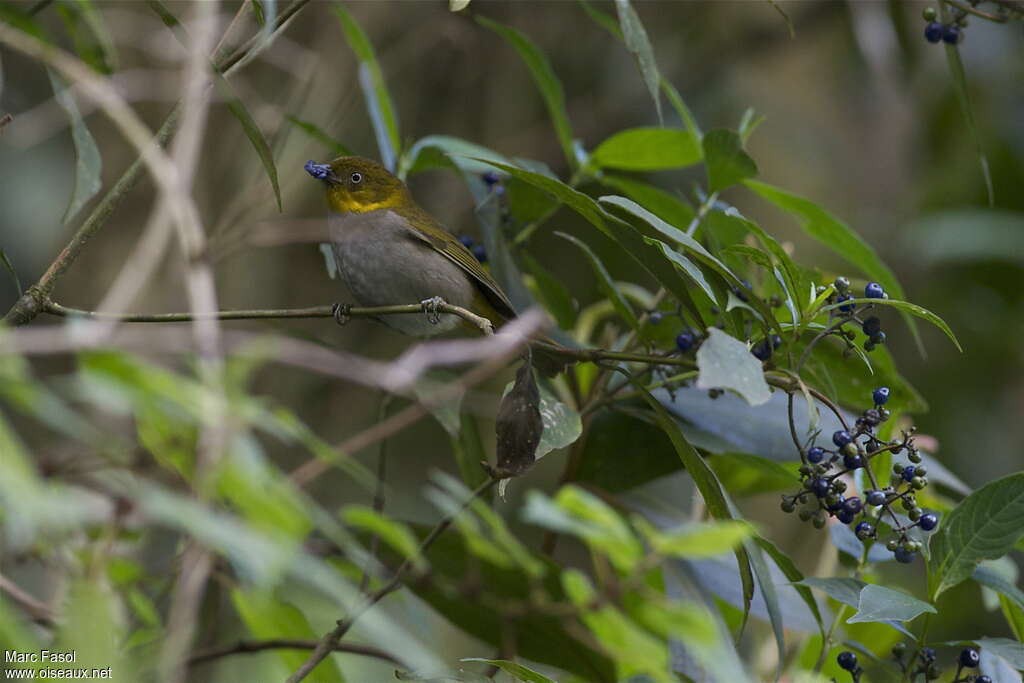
(544, 77)
(748, 124)
(837, 236)
(685, 115)
(997, 668)
(611, 435)
(698, 539)
(956, 72)
(375, 90)
(725, 160)
(11, 269)
(671, 209)
(518, 671)
(448, 413)
(647, 149)
(878, 603)
(231, 99)
(88, 162)
(726, 363)
(457, 5)
(584, 515)
(907, 307)
(602, 19)
(984, 526)
(634, 651)
(966, 236)
(551, 292)
(317, 133)
(562, 424)
(90, 626)
(266, 617)
(790, 571)
(395, 534)
(1009, 650)
(93, 42)
(636, 40)
(1014, 615)
(469, 452)
(990, 579)
(606, 283)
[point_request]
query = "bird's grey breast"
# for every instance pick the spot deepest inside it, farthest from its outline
(384, 263)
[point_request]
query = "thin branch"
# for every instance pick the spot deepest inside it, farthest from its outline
(331, 639)
(246, 647)
(38, 610)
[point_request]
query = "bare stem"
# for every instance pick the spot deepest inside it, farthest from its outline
(246, 647)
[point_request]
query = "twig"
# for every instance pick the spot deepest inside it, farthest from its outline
(245, 647)
(38, 610)
(330, 640)
(378, 494)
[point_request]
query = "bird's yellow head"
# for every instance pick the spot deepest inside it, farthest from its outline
(358, 185)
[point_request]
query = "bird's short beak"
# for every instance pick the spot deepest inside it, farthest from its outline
(320, 171)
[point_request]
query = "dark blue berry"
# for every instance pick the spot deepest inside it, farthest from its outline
(871, 326)
(875, 498)
(685, 341)
(933, 32)
(983, 679)
(874, 291)
(903, 556)
(951, 35)
(928, 654)
(864, 530)
(928, 521)
(841, 438)
(480, 253)
(847, 307)
(656, 317)
(491, 178)
(853, 462)
(852, 504)
(776, 341)
(845, 516)
(881, 396)
(762, 350)
(815, 455)
(908, 472)
(878, 338)
(847, 660)
(969, 658)
(820, 487)
(467, 241)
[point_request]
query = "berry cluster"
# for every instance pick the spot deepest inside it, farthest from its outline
(822, 495)
(478, 249)
(925, 664)
(851, 313)
(935, 31)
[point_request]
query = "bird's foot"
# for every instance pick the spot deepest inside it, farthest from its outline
(432, 307)
(341, 313)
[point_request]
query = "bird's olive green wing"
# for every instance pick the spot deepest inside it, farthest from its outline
(447, 244)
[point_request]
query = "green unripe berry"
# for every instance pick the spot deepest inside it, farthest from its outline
(899, 649)
(907, 504)
(788, 506)
(850, 449)
(841, 284)
(908, 546)
(914, 457)
(920, 471)
(884, 414)
(831, 500)
(915, 514)
(819, 521)
(895, 480)
(918, 483)
(929, 14)
(915, 546)
(805, 514)
(892, 544)
(873, 513)
(805, 469)
(839, 485)
(897, 468)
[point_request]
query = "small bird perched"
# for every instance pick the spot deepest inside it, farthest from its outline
(390, 251)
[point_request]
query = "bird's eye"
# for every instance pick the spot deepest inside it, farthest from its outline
(357, 177)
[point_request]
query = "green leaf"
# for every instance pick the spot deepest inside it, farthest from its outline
(468, 448)
(317, 133)
(683, 265)
(267, 617)
(448, 413)
(446, 151)
(518, 671)
(637, 42)
(1010, 650)
(906, 307)
(685, 115)
(841, 589)
(956, 72)
(545, 79)
(550, 291)
(990, 579)
(725, 160)
(606, 283)
(697, 540)
(375, 89)
(984, 526)
(790, 571)
(611, 435)
(88, 162)
(878, 603)
(668, 207)
(562, 424)
(726, 363)
(602, 19)
(647, 149)
(582, 514)
(747, 474)
(395, 534)
(838, 237)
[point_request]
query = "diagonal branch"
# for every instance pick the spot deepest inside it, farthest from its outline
(245, 647)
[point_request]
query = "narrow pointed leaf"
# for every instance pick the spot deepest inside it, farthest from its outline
(637, 42)
(906, 307)
(88, 162)
(317, 133)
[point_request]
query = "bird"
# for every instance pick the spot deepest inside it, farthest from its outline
(391, 251)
